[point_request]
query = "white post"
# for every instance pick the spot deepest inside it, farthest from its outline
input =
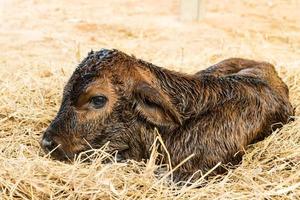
(191, 10)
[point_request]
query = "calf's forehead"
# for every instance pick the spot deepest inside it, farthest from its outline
(121, 70)
(89, 70)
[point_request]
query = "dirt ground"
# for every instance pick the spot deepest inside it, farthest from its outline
(41, 42)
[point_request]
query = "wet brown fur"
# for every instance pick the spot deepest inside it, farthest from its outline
(213, 114)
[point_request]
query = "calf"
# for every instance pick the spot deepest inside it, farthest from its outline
(213, 114)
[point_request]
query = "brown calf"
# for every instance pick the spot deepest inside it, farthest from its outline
(213, 114)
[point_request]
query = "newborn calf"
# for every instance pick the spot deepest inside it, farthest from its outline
(213, 114)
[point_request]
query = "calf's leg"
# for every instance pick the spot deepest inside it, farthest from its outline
(228, 66)
(266, 71)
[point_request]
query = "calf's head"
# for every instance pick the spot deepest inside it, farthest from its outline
(110, 97)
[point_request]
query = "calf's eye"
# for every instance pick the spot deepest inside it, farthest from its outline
(98, 101)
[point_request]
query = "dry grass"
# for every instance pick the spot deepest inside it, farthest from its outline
(41, 44)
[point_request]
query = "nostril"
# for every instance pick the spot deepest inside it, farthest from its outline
(46, 142)
(49, 145)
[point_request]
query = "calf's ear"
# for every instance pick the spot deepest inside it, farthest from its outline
(154, 106)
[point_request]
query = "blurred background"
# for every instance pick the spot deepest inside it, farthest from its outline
(185, 34)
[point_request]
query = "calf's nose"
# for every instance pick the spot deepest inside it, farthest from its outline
(47, 143)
